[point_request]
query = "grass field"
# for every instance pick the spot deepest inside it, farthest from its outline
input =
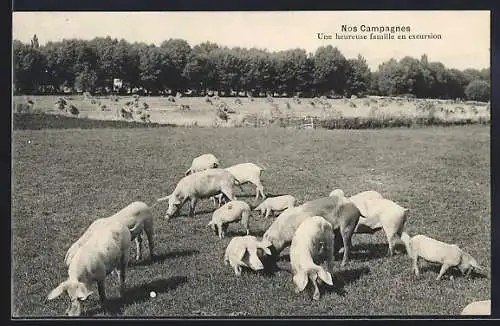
(64, 179)
(202, 113)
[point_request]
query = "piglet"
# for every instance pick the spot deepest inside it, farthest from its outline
(435, 251)
(245, 251)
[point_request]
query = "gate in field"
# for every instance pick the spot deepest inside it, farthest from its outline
(256, 121)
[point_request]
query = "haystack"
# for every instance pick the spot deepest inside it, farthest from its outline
(73, 110)
(126, 114)
(221, 114)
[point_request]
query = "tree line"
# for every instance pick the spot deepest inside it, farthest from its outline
(91, 65)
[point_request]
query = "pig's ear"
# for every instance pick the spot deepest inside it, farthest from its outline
(240, 252)
(163, 198)
(57, 291)
(267, 251)
(174, 199)
(325, 276)
(212, 225)
(82, 292)
(337, 193)
(476, 265)
(255, 262)
(300, 280)
(265, 243)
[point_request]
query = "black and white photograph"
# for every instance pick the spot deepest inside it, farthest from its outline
(239, 164)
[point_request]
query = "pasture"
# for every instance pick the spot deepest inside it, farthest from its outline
(64, 179)
(260, 111)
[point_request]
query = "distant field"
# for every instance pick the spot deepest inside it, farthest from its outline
(202, 113)
(64, 179)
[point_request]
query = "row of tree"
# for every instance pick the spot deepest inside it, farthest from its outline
(92, 65)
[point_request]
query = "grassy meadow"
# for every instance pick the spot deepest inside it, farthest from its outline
(63, 179)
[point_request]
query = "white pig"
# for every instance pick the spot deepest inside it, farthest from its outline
(477, 308)
(245, 251)
(336, 209)
(233, 211)
(106, 249)
(435, 251)
(313, 239)
(274, 204)
(203, 162)
(199, 185)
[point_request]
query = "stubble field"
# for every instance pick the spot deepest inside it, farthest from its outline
(260, 111)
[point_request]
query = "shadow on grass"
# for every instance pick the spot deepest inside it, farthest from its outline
(272, 216)
(270, 268)
(368, 251)
(162, 257)
(236, 233)
(244, 194)
(340, 278)
(345, 277)
(285, 257)
(241, 232)
(196, 213)
(140, 293)
(429, 267)
(364, 252)
(275, 195)
(38, 121)
(258, 233)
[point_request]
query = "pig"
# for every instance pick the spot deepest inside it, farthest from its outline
(273, 204)
(313, 238)
(245, 251)
(342, 214)
(199, 185)
(232, 211)
(435, 251)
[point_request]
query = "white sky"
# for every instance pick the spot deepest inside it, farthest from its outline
(465, 39)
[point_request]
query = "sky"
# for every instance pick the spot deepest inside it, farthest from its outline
(465, 41)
